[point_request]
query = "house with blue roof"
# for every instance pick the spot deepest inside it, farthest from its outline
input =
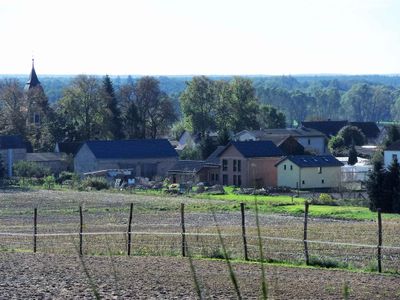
(250, 163)
(309, 172)
(143, 157)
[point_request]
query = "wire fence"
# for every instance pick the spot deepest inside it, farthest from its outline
(119, 229)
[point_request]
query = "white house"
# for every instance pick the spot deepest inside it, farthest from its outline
(391, 152)
(309, 171)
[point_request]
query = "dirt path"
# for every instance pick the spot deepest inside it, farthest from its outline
(41, 276)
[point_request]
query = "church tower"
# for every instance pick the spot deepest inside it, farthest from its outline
(35, 97)
(33, 81)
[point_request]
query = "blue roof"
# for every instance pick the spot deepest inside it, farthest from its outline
(309, 161)
(11, 142)
(256, 149)
(132, 149)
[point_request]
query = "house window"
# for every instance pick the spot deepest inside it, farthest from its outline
(234, 165)
(216, 177)
(224, 165)
(225, 179)
(284, 167)
(319, 170)
(234, 180)
(394, 156)
(322, 181)
(291, 167)
(239, 166)
(212, 177)
(239, 179)
(309, 141)
(303, 182)
(36, 118)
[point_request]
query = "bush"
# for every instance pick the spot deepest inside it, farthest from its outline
(326, 262)
(28, 169)
(49, 182)
(324, 199)
(98, 183)
(64, 176)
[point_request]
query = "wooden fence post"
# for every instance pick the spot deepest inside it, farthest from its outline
(129, 230)
(183, 229)
(80, 231)
(379, 241)
(306, 204)
(244, 231)
(34, 229)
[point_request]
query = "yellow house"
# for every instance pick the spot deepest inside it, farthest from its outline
(309, 171)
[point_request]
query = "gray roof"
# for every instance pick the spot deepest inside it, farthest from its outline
(132, 149)
(12, 142)
(44, 157)
(278, 135)
(256, 149)
(214, 157)
(394, 146)
(191, 166)
(309, 161)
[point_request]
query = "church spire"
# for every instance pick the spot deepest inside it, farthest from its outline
(33, 80)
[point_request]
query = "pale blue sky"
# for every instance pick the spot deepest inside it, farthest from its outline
(176, 37)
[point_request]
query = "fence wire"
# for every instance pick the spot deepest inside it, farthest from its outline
(157, 231)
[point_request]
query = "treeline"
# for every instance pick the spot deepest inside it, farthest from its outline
(361, 102)
(93, 107)
(89, 109)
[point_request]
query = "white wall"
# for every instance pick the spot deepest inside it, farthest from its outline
(388, 157)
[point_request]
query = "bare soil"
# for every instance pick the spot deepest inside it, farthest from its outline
(45, 276)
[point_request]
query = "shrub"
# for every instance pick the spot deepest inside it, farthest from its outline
(326, 262)
(98, 183)
(49, 182)
(324, 199)
(28, 169)
(64, 176)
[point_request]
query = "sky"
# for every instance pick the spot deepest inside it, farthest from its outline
(200, 37)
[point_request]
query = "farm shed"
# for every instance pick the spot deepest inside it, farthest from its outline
(195, 171)
(309, 171)
(145, 157)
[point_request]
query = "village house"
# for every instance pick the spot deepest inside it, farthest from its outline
(331, 128)
(144, 157)
(249, 164)
(390, 153)
(309, 172)
(12, 149)
(312, 140)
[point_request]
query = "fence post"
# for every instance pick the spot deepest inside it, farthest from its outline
(379, 241)
(306, 204)
(80, 231)
(183, 229)
(244, 231)
(129, 230)
(34, 229)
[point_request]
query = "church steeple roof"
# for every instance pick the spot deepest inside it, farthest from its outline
(33, 80)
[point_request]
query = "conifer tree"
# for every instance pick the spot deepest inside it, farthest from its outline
(2, 168)
(113, 123)
(375, 186)
(352, 156)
